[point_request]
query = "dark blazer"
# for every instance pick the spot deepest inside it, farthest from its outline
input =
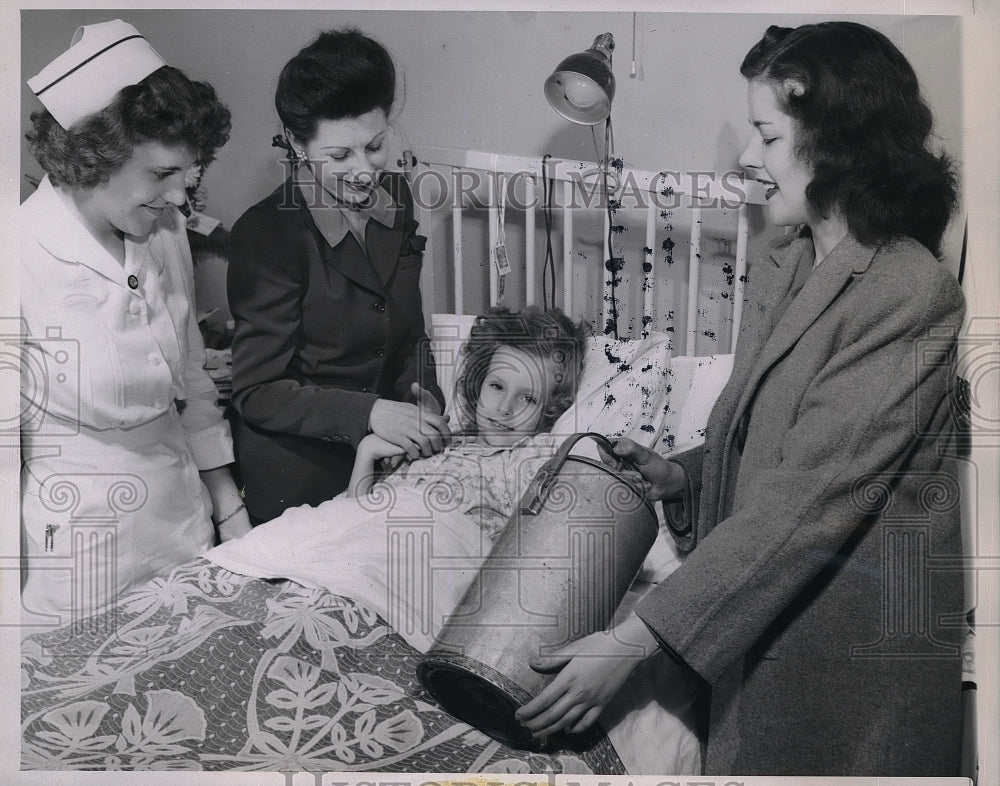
(321, 334)
(822, 520)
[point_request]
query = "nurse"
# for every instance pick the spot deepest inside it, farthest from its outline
(324, 284)
(124, 451)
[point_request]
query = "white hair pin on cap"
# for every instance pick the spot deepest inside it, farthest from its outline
(101, 60)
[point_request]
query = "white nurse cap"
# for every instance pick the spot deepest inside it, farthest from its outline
(101, 60)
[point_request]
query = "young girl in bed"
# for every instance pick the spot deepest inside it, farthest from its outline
(429, 524)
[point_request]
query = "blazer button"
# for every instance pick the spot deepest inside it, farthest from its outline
(379, 306)
(380, 352)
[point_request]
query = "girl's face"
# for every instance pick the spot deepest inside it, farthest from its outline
(771, 155)
(513, 396)
(347, 155)
(136, 195)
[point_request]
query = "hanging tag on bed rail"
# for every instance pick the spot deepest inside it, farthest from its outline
(500, 259)
(499, 254)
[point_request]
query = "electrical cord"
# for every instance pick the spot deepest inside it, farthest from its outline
(548, 266)
(613, 264)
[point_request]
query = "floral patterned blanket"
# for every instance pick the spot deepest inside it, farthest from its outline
(207, 670)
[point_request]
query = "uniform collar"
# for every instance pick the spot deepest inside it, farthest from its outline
(60, 232)
(329, 215)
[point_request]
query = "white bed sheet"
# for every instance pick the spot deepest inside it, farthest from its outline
(628, 388)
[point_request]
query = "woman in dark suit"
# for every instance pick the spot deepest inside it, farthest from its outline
(822, 513)
(330, 342)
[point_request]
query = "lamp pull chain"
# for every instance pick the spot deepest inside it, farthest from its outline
(632, 71)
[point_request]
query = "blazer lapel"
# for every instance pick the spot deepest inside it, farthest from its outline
(384, 246)
(822, 287)
(820, 290)
(758, 326)
(347, 258)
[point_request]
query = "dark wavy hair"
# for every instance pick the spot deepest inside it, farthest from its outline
(863, 128)
(165, 107)
(343, 73)
(547, 335)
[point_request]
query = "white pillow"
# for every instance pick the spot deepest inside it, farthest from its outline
(447, 333)
(623, 390)
(695, 383)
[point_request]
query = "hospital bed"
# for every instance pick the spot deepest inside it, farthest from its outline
(202, 669)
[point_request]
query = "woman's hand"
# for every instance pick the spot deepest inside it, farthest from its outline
(659, 478)
(236, 526)
(417, 431)
(592, 670)
(227, 504)
(425, 399)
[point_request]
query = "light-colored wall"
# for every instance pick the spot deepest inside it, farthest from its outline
(474, 80)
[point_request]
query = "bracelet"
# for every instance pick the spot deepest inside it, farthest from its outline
(222, 521)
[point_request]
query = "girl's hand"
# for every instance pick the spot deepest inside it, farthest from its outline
(659, 478)
(416, 432)
(592, 670)
(375, 447)
(371, 450)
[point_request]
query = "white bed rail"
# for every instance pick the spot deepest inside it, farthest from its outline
(453, 177)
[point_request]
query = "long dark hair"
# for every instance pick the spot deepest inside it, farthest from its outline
(862, 126)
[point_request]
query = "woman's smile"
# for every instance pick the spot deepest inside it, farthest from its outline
(772, 157)
(770, 185)
(347, 155)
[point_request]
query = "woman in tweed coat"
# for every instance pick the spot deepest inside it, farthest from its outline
(822, 511)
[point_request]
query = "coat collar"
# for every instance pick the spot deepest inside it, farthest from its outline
(330, 218)
(385, 238)
(847, 259)
(789, 251)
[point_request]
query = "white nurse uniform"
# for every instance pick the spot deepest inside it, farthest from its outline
(118, 414)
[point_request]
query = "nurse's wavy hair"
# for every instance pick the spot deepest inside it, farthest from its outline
(342, 74)
(165, 107)
(863, 128)
(546, 335)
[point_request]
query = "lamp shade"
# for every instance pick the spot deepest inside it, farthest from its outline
(582, 86)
